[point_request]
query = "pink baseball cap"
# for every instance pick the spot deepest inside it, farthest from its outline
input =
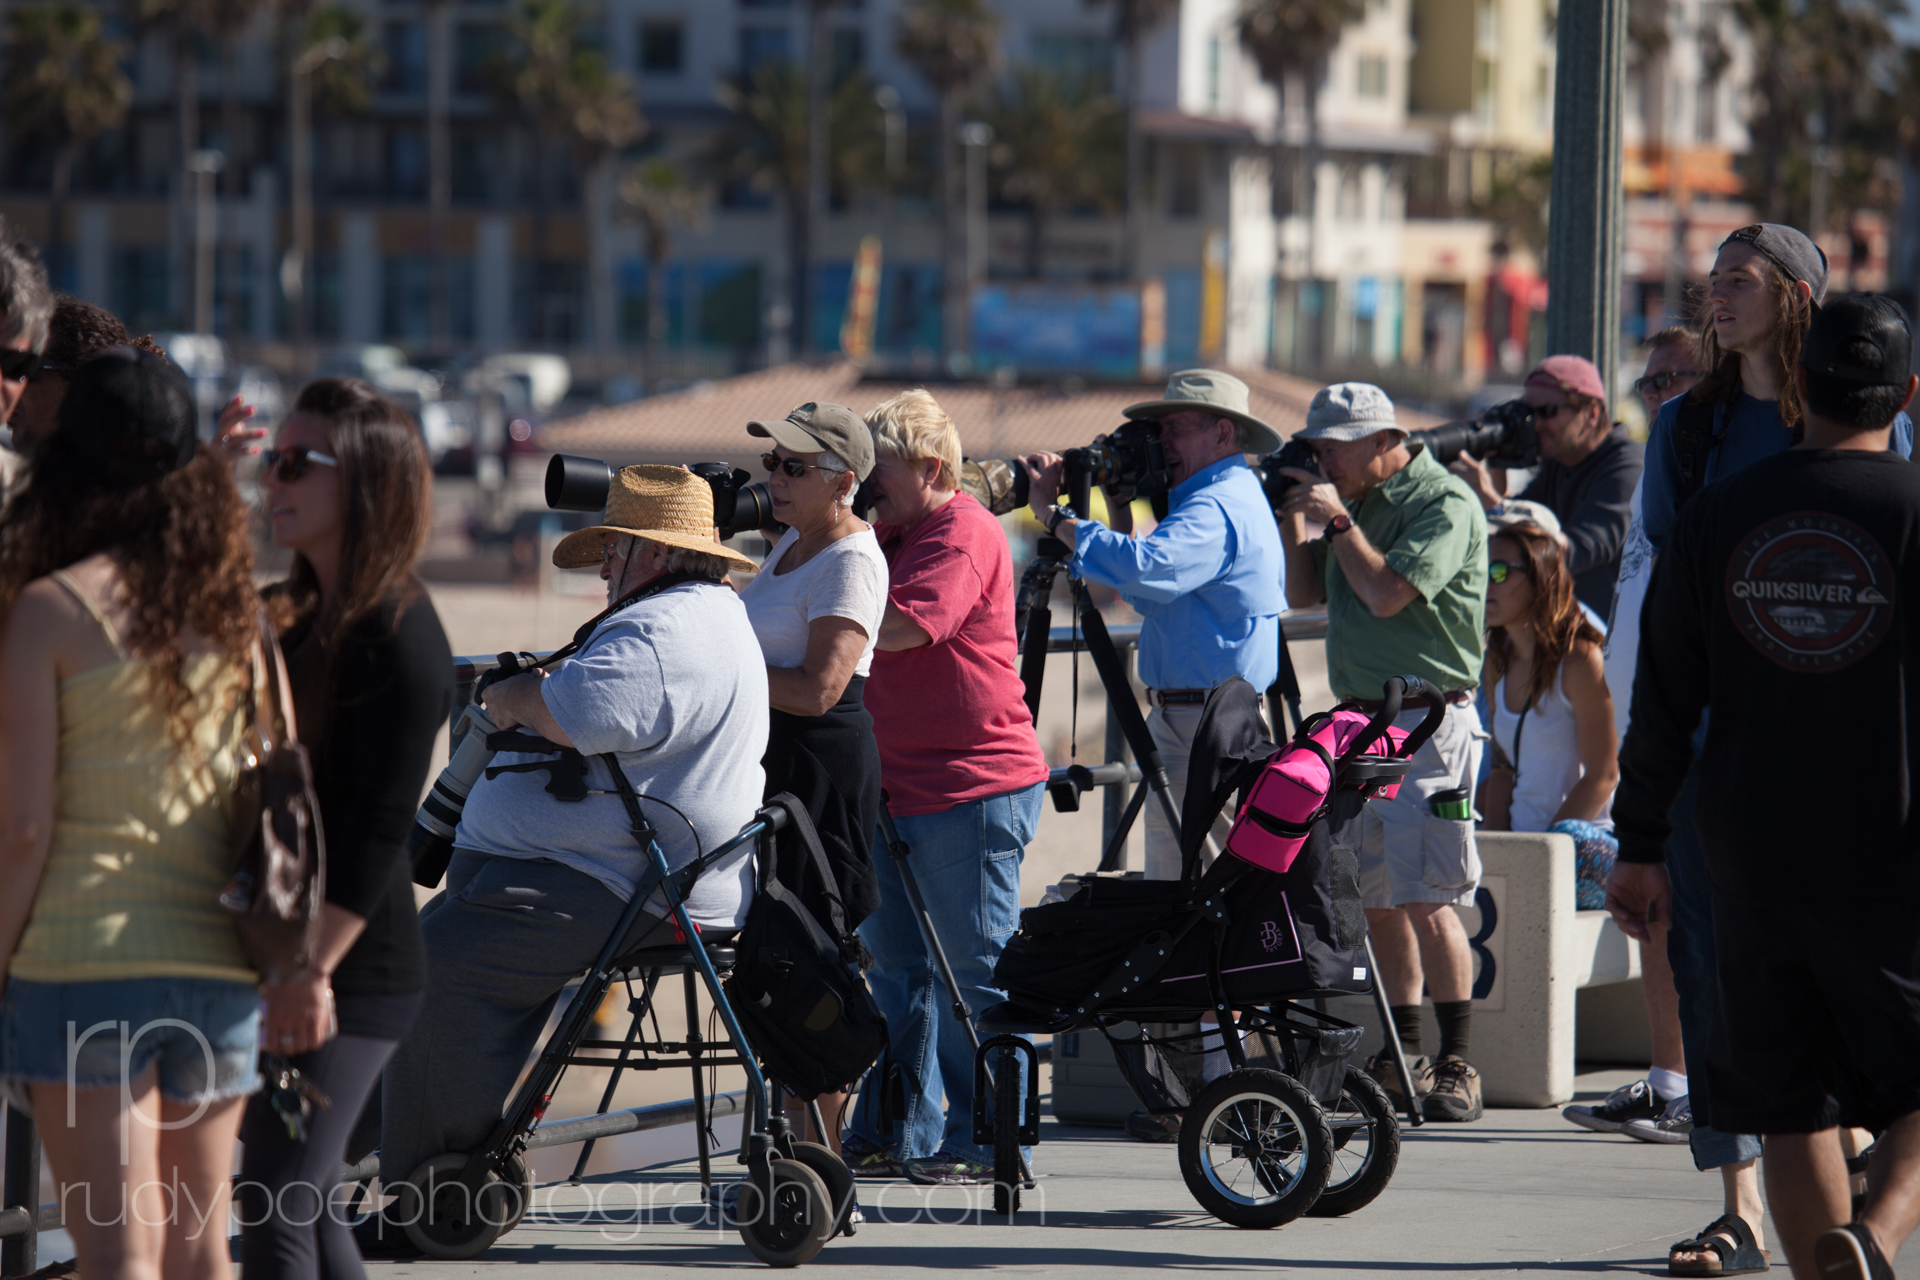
(1574, 375)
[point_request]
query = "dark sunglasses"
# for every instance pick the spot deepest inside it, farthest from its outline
(1548, 412)
(1660, 381)
(792, 466)
(1500, 570)
(17, 364)
(288, 465)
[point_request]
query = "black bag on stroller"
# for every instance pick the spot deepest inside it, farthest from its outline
(797, 986)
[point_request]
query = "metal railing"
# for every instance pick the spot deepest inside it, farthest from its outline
(22, 1218)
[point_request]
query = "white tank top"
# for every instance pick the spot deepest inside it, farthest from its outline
(1547, 759)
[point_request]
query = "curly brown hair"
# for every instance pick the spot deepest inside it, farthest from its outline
(1792, 316)
(181, 545)
(386, 490)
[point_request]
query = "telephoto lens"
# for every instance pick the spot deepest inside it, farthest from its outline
(430, 847)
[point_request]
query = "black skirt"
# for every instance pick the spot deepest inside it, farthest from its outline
(832, 764)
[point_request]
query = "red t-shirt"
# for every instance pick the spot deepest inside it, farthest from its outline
(950, 716)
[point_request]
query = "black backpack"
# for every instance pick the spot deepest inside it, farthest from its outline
(797, 987)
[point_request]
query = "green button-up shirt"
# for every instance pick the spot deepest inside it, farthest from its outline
(1433, 532)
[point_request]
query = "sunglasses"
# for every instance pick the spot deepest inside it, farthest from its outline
(17, 364)
(288, 465)
(1500, 570)
(1660, 381)
(792, 466)
(1548, 412)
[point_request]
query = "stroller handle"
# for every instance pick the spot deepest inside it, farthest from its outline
(1394, 692)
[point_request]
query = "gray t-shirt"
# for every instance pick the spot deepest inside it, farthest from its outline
(676, 687)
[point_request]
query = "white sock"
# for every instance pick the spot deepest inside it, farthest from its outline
(1668, 1084)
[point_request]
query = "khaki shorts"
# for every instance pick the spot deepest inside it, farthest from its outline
(1407, 854)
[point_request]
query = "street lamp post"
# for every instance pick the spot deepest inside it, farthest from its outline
(1586, 216)
(203, 165)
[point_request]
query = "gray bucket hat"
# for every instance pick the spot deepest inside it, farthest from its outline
(1348, 411)
(1210, 391)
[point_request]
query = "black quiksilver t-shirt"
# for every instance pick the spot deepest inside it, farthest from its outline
(1782, 600)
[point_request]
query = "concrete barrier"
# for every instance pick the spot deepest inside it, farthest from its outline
(1551, 983)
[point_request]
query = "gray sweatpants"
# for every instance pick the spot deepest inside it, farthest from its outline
(503, 939)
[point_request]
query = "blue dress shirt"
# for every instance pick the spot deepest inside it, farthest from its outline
(1206, 581)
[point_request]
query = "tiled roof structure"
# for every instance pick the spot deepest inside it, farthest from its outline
(708, 421)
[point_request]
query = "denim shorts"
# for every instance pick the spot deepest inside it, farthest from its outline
(204, 1034)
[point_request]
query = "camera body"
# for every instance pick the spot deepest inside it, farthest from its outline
(1130, 463)
(740, 503)
(1503, 436)
(1294, 453)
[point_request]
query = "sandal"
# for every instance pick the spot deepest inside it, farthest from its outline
(1849, 1253)
(1743, 1257)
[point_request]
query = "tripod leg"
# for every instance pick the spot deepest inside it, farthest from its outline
(1414, 1117)
(900, 851)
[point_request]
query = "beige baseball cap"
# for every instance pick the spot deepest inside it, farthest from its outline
(818, 425)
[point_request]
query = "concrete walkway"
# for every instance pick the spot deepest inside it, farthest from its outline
(1520, 1192)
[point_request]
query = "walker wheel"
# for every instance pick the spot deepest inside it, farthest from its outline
(445, 1220)
(1255, 1149)
(1006, 1134)
(838, 1178)
(796, 1225)
(1366, 1147)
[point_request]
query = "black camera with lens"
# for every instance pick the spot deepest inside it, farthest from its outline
(1130, 463)
(1294, 453)
(1503, 436)
(740, 503)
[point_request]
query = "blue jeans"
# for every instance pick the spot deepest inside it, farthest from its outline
(1696, 974)
(966, 861)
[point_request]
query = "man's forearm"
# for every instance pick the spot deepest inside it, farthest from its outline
(1379, 586)
(522, 703)
(1303, 579)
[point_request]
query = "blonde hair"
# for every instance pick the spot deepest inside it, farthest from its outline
(912, 425)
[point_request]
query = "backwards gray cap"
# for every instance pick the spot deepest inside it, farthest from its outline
(1788, 249)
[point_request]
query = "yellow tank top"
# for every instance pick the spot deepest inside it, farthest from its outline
(141, 845)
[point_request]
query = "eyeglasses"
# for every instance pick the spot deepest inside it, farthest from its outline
(1499, 571)
(46, 368)
(1660, 381)
(289, 464)
(17, 364)
(792, 466)
(1548, 412)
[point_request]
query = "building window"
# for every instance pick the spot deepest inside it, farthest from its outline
(1372, 78)
(662, 48)
(761, 45)
(1487, 25)
(1183, 181)
(1483, 109)
(1706, 120)
(1542, 98)
(1213, 73)
(478, 48)
(406, 49)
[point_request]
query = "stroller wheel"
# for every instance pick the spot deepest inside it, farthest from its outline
(838, 1178)
(446, 1220)
(1366, 1146)
(795, 1226)
(1255, 1150)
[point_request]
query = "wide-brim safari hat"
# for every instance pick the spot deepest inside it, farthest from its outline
(669, 505)
(1210, 391)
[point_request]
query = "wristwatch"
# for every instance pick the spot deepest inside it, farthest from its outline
(1059, 515)
(1337, 526)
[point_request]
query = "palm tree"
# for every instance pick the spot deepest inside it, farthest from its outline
(578, 103)
(1056, 139)
(1133, 22)
(954, 45)
(63, 84)
(1295, 39)
(334, 63)
(769, 147)
(661, 199)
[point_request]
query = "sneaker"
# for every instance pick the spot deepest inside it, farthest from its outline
(1381, 1067)
(1149, 1127)
(867, 1160)
(1456, 1091)
(1636, 1101)
(947, 1170)
(1672, 1126)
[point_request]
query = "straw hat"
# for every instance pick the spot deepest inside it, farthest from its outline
(1210, 391)
(669, 505)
